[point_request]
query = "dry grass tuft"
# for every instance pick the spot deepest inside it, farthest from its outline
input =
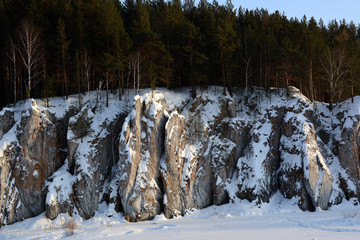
(70, 225)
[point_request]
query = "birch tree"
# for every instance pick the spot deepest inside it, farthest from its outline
(136, 62)
(336, 72)
(30, 52)
(87, 68)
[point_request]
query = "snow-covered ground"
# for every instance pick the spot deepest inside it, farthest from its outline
(279, 219)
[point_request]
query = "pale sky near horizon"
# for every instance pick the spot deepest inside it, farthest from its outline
(327, 10)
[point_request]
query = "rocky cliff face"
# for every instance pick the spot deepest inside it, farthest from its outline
(32, 150)
(167, 152)
(141, 148)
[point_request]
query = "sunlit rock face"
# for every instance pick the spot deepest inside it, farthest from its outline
(32, 151)
(140, 149)
(172, 165)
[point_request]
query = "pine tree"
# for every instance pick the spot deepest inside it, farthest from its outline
(77, 25)
(227, 40)
(314, 47)
(188, 53)
(48, 90)
(63, 47)
(87, 65)
(76, 75)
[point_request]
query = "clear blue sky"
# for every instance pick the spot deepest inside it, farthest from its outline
(325, 9)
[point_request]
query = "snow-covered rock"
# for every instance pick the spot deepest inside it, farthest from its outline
(258, 165)
(6, 120)
(91, 140)
(346, 134)
(305, 158)
(168, 152)
(172, 165)
(30, 152)
(59, 197)
(94, 159)
(141, 148)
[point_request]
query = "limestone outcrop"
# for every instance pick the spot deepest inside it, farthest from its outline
(167, 152)
(32, 152)
(141, 148)
(91, 156)
(172, 165)
(347, 146)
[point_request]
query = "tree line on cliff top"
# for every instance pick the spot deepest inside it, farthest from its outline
(62, 47)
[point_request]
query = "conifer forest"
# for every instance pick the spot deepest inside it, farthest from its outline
(61, 47)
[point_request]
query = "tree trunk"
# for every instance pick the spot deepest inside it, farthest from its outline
(134, 76)
(311, 84)
(247, 76)
(138, 72)
(14, 72)
(29, 81)
(107, 88)
(64, 74)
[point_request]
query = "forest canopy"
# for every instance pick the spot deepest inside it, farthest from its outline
(62, 47)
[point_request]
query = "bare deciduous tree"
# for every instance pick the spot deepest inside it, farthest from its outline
(30, 52)
(87, 68)
(336, 72)
(135, 60)
(247, 75)
(98, 94)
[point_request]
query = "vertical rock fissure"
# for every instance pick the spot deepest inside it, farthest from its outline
(278, 151)
(308, 203)
(159, 179)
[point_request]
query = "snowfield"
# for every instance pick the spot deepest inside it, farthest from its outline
(279, 219)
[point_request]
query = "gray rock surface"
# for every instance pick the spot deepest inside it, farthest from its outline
(348, 148)
(29, 160)
(6, 121)
(141, 148)
(172, 165)
(91, 156)
(304, 172)
(317, 177)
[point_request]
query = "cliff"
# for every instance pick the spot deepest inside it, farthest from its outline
(164, 151)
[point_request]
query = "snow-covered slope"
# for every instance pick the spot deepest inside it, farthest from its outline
(163, 151)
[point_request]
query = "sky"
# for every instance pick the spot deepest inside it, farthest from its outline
(326, 9)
